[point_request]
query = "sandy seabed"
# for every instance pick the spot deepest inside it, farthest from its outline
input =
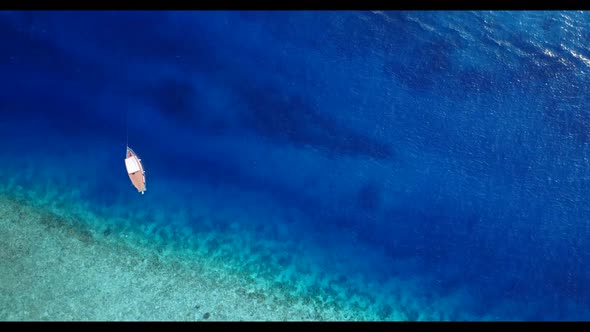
(51, 270)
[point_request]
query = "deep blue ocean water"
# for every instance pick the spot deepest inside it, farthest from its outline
(459, 141)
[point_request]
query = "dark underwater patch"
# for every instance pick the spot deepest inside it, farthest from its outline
(424, 68)
(476, 81)
(177, 98)
(350, 36)
(369, 197)
(291, 120)
(549, 24)
(173, 97)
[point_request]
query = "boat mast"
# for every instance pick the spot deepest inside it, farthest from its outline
(126, 129)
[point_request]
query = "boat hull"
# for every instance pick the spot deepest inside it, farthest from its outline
(135, 170)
